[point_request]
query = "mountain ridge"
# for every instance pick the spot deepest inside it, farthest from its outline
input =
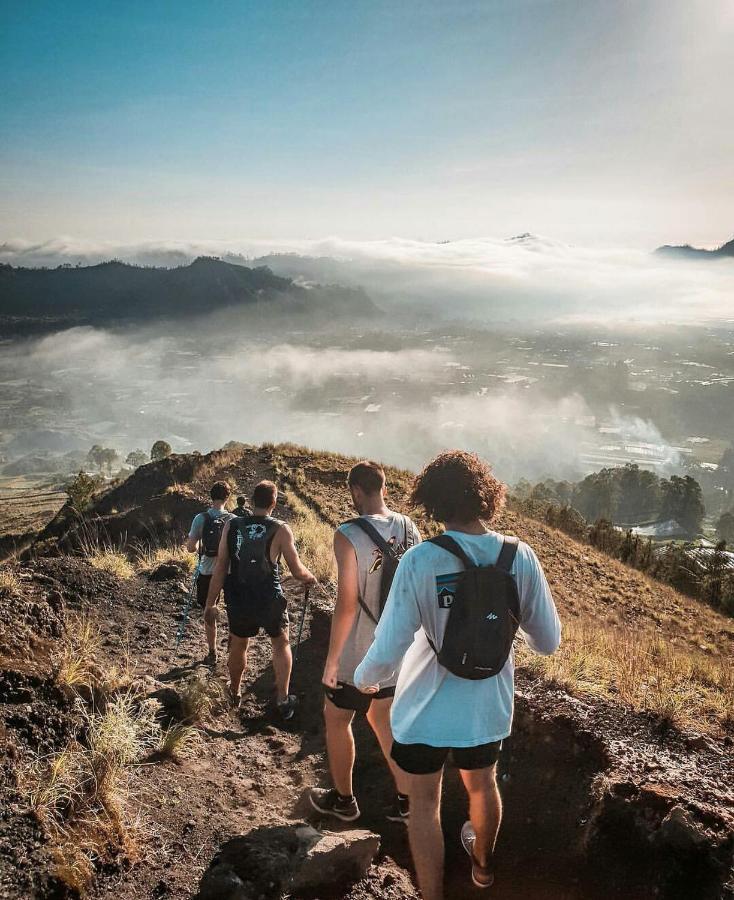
(686, 250)
(116, 290)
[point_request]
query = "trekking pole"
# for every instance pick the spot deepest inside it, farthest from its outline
(187, 605)
(300, 626)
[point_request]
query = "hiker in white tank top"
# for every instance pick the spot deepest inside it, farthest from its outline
(366, 549)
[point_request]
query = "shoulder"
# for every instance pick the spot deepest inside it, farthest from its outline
(198, 520)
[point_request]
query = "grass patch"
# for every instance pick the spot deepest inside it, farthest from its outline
(314, 538)
(78, 667)
(9, 582)
(148, 558)
(176, 740)
(199, 697)
(680, 687)
(113, 561)
(81, 795)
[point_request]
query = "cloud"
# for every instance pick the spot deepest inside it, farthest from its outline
(487, 279)
(127, 388)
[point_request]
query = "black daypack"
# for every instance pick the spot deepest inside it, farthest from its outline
(249, 540)
(391, 556)
(484, 614)
(211, 534)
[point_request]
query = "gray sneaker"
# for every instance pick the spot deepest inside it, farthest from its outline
(287, 707)
(211, 659)
(331, 803)
(482, 876)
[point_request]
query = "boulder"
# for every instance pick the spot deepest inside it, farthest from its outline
(333, 858)
(166, 572)
(681, 831)
(288, 859)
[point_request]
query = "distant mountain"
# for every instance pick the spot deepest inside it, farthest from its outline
(118, 291)
(685, 250)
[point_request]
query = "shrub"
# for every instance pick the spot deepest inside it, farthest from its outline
(81, 489)
(160, 450)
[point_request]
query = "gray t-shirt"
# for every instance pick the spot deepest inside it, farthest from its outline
(206, 564)
(369, 563)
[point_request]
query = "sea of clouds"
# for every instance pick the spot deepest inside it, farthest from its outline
(489, 279)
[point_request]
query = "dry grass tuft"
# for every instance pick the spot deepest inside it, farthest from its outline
(78, 666)
(176, 740)
(148, 558)
(77, 659)
(179, 488)
(199, 697)
(681, 688)
(9, 582)
(81, 794)
(314, 538)
(113, 561)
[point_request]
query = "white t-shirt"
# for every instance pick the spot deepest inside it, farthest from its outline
(432, 706)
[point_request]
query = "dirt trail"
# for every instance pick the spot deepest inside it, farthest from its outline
(585, 783)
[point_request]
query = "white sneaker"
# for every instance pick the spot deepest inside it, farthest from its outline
(482, 876)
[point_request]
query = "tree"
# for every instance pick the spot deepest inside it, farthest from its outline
(683, 501)
(725, 527)
(80, 490)
(102, 458)
(136, 458)
(109, 457)
(95, 456)
(160, 450)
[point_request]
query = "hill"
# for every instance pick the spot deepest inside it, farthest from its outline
(114, 291)
(687, 251)
(617, 781)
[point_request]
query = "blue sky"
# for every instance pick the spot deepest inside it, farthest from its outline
(604, 121)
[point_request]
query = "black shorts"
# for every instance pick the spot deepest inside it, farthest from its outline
(247, 617)
(422, 759)
(347, 696)
(202, 588)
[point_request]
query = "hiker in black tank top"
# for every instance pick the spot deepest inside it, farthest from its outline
(248, 568)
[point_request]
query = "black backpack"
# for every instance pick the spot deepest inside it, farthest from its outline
(391, 556)
(484, 614)
(211, 534)
(249, 542)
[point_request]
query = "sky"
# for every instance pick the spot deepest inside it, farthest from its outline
(601, 123)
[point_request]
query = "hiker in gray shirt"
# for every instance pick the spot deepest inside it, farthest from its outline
(367, 550)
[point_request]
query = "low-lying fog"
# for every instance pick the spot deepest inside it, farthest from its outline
(567, 359)
(536, 405)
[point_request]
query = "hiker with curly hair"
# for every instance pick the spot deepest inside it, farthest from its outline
(455, 605)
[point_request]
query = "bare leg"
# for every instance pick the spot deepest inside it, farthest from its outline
(485, 809)
(424, 832)
(211, 636)
(237, 661)
(378, 716)
(282, 664)
(340, 746)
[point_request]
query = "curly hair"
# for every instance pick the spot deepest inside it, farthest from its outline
(458, 486)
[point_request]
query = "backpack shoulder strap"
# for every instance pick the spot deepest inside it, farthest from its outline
(507, 554)
(373, 534)
(409, 538)
(448, 543)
